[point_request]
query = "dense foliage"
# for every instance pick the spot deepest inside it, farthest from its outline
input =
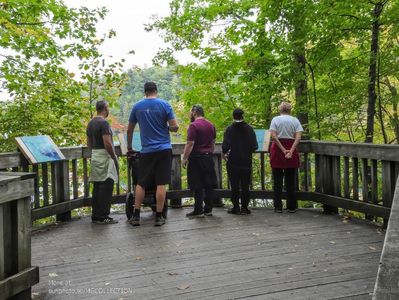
(168, 85)
(38, 94)
(337, 60)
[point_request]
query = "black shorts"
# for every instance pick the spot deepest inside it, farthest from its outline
(155, 168)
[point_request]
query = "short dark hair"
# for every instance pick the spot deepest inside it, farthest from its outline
(150, 88)
(198, 110)
(101, 105)
(238, 114)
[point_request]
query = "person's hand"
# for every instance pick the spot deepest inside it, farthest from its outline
(289, 154)
(130, 153)
(185, 163)
(226, 155)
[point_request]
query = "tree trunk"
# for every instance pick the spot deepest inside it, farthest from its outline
(316, 106)
(395, 101)
(301, 90)
(380, 108)
(372, 96)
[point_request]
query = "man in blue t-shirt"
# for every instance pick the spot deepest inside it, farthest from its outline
(155, 118)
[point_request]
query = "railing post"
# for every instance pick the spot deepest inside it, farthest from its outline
(217, 158)
(176, 182)
(328, 184)
(388, 185)
(386, 285)
(16, 274)
(61, 173)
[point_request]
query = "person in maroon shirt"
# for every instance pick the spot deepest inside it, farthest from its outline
(197, 158)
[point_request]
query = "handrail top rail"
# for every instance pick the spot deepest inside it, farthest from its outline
(347, 149)
(386, 285)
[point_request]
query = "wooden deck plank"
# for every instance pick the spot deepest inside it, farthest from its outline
(221, 257)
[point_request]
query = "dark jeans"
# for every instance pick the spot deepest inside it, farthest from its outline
(239, 178)
(203, 195)
(289, 178)
(101, 203)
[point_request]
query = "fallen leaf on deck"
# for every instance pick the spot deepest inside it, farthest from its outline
(52, 275)
(372, 248)
(139, 258)
(183, 287)
(178, 244)
(332, 242)
(172, 273)
(107, 283)
(255, 233)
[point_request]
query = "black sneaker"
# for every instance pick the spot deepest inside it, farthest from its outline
(245, 211)
(105, 221)
(159, 221)
(208, 213)
(234, 211)
(278, 210)
(134, 221)
(195, 214)
(292, 211)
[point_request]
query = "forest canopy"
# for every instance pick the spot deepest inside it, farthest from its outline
(336, 61)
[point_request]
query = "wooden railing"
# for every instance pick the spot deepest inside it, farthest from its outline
(387, 283)
(17, 276)
(358, 177)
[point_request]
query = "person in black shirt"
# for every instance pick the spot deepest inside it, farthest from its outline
(104, 164)
(239, 142)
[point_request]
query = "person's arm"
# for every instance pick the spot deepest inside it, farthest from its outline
(89, 145)
(254, 141)
(274, 136)
(226, 145)
(173, 126)
(188, 148)
(297, 136)
(88, 140)
(130, 131)
(172, 122)
(213, 145)
(109, 146)
(214, 140)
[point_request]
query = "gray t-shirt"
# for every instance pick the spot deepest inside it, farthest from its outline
(96, 128)
(286, 126)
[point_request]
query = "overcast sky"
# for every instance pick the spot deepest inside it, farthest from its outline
(127, 18)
